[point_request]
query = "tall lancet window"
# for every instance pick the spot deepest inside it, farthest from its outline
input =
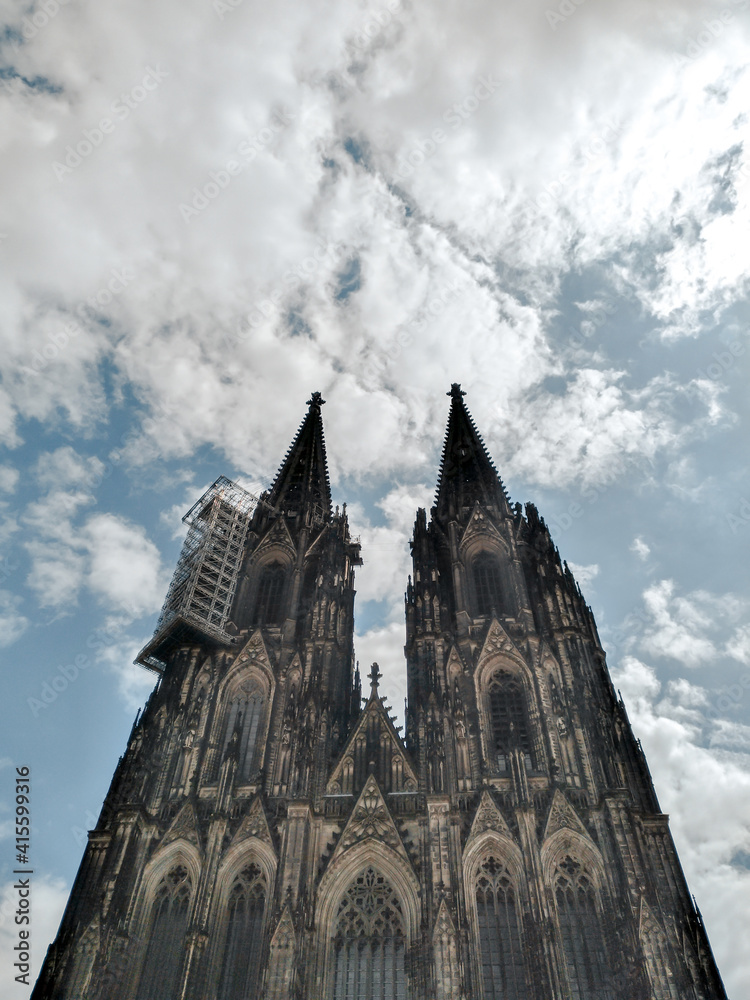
(488, 587)
(160, 977)
(509, 720)
(500, 949)
(245, 715)
(581, 929)
(269, 608)
(369, 943)
(240, 965)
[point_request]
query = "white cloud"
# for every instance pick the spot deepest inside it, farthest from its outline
(56, 575)
(66, 467)
(738, 646)
(686, 628)
(124, 568)
(170, 330)
(387, 562)
(384, 645)
(49, 897)
(110, 556)
(584, 574)
(706, 792)
(590, 433)
(12, 623)
(134, 684)
(9, 477)
(641, 548)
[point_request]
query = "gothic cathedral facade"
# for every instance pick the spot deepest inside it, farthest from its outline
(269, 833)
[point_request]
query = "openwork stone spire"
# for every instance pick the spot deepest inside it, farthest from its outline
(467, 473)
(301, 483)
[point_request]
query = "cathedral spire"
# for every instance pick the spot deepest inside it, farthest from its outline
(302, 481)
(467, 473)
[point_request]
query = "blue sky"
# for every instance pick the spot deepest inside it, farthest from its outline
(212, 210)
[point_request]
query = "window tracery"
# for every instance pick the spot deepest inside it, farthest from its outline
(269, 606)
(509, 720)
(160, 976)
(245, 715)
(369, 944)
(501, 953)
(488, 586)
(241, 961)
(581, 930)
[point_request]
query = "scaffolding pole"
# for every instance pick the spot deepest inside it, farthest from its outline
(201, 594)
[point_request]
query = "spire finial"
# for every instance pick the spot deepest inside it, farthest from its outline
(315, 401)
(456, 391)
(375, 676)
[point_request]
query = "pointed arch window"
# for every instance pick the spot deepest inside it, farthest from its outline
(488, 585)
(581, 930)
(160, 977)
(241, 961)
(369, 944)
(83, 964)
(509, 720)
(244, 717)
(500, 950)
(269, 607)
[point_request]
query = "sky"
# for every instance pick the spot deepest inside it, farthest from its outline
(211, 209)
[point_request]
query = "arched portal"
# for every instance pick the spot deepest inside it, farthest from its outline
(369, 942)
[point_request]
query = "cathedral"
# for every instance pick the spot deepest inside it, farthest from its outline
(269, 832)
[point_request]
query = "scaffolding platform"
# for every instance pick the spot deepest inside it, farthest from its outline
(200, 597)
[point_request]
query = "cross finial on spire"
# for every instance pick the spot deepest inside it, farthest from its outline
(375, 676)
(315, 401)
(456, 391)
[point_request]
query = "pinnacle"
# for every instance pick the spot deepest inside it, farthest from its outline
(467, 473)
(301, 484)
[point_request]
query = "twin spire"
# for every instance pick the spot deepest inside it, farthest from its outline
(301, 483)
(467, 473)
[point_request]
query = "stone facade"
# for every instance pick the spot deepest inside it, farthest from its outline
(268, 835)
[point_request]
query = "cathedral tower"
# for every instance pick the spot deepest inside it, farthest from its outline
(268, 833)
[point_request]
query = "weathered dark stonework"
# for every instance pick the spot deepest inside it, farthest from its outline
(265, 836)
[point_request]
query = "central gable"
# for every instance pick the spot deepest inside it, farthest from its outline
(374, 747)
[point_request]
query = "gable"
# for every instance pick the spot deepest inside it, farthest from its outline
(184, 826)
(254, 824)
(562, 815)
(370, 819)
(498, 641)
(488, 817)
(277, 537)
(374, 739)
(480, 526)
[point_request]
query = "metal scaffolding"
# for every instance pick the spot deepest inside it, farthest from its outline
(201, 593)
